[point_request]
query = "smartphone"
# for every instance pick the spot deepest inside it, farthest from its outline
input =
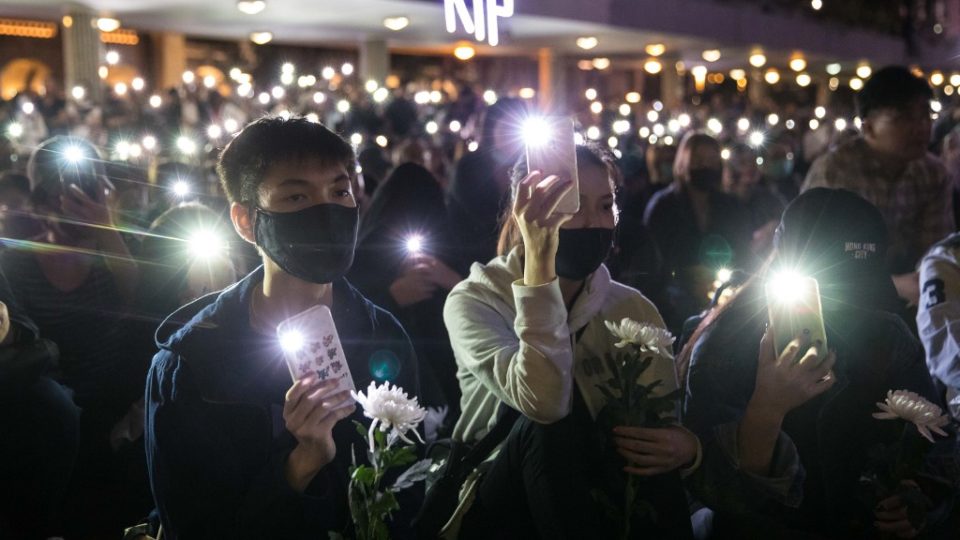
(318, 351)
(558, 156)
(796, 310)
(83, 175)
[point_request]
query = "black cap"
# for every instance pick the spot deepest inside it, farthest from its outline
(840, 239)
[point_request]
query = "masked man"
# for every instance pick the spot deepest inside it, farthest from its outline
(235, 450)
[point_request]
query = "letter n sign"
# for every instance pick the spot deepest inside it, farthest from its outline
(482, 21)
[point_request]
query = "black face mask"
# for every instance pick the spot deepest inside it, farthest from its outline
(706, 178)
(582, 251)
(315, 244)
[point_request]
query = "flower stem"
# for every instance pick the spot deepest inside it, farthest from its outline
(629, 495)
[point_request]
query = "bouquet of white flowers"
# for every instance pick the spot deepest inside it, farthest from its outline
(393, 416)
(630, 403)
(894, 469)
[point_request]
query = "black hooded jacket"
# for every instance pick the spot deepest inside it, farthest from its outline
(215, 437)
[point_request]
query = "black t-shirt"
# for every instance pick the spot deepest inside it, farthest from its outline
(88, 326)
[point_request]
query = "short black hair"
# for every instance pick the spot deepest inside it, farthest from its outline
(271, 140)
(893, 87)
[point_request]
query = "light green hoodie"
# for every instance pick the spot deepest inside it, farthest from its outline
(518, 344)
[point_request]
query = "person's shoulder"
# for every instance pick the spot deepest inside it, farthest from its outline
(934, 166)
(625, 301)
(662, 202)
(946, 250)
(382, 322)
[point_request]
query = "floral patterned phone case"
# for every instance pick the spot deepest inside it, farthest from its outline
(320, 352)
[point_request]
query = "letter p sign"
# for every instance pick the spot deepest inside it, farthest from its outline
(482, 21)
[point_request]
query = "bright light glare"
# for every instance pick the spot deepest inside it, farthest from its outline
(156, 101)
(414, 244)
(149, 142)
(291, 341)
(756, 139)
(186, 145)
(724, 275)
(15, 129)
(214, 131)
(205, 244)
(181, 188)
(73, 154)
(787, 286)
(536, 132)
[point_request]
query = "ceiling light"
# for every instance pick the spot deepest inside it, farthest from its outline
(797, 63)
(587, 42)
(711, 55)
(772, 76)
(856, 84)
(633, 97)
(864, 71)
(738, 74)
(261, 38)
(758, 59)
(936, 78)
(601, 63)
(655, 49)
(396, 23)
(833, 69)
(464, 52)
(803, 79)
(107, 24)
(251, 7)
(652, 66)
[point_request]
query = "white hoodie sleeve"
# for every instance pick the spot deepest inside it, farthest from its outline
(938, 316)
(526, 363)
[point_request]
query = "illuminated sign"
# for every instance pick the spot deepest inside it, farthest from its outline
(483, 21)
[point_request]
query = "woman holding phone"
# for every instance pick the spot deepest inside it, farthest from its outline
(523, 328)
(787, 435)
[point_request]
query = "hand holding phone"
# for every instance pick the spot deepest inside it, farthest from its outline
(552, 150)
(795, 310)
(311, 347)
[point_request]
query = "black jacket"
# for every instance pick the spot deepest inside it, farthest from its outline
(832, 434)
(215, 436)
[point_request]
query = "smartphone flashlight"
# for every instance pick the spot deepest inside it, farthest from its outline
(414, 244)
(205, 244)
(787, 287)
(536, 132)
(724, 275)
(291, 341)
(181, 188)
(73, 154)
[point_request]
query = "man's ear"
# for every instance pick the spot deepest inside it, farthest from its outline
(242, 217)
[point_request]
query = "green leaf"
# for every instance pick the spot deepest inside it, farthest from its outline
(398, 456)
(363, 475)
(415, 473)
(361, 429)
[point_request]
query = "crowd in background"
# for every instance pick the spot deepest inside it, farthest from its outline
(700, 194)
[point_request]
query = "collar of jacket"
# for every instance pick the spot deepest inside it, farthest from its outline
(212, 337)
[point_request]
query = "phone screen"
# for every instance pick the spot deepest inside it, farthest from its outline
(557, 155)
(794, 307)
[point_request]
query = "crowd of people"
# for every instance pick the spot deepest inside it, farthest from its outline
(152, 244)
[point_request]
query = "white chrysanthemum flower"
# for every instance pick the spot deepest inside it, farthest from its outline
(647, 337)
(913, 408)
(389, 407)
